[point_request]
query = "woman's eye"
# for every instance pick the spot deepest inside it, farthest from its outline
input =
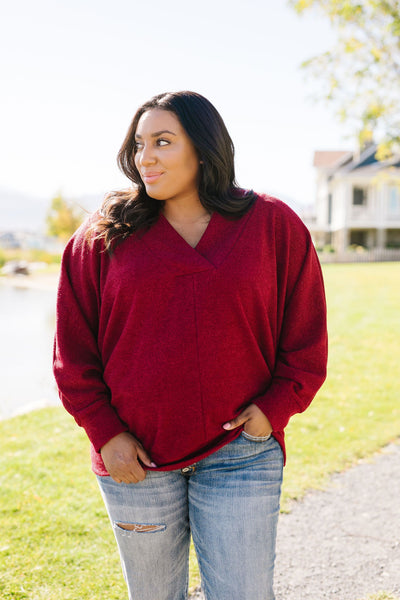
(160, 142)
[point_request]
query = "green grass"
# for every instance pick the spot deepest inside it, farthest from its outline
(56, 542)
(382, 596)
(30, 255)
(357, 410)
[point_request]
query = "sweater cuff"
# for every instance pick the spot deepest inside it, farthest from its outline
(105, 426)
(279, 405)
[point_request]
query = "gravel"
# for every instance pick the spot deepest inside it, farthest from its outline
(343, 543)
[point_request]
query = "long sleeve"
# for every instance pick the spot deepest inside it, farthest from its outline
(78, 368)
(300, 367)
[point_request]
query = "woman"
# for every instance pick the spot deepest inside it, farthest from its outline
(190, 328)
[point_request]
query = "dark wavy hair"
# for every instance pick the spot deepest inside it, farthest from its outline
(126, 211)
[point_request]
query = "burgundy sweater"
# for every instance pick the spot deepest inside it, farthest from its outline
(169, 342)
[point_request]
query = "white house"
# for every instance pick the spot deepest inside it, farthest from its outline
(357, 201)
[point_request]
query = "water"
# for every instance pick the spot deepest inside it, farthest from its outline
(27, 318)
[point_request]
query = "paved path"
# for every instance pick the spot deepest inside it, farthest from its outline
(343, 543)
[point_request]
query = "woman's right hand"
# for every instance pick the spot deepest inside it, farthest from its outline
(120, 456)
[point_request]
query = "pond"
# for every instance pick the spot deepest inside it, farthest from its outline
(27, 319)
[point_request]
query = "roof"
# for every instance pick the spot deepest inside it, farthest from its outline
(329, 158)
(343, 162)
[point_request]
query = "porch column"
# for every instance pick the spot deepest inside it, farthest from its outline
(381, 238)
(341, 242)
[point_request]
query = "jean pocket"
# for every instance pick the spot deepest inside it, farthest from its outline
(254, 438)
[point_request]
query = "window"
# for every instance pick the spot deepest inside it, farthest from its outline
(393, 238)
(394, 201)
(358, 237)
(359, 196)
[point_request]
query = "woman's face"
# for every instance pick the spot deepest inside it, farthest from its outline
(165, 156)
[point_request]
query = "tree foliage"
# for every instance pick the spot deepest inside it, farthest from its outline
(360, 75)
(63, 218)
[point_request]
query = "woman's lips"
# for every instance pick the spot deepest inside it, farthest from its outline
(151, 177)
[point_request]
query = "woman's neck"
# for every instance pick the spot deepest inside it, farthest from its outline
(188, 211)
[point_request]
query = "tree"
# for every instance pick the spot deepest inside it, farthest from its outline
(63, 218)
(361, 75)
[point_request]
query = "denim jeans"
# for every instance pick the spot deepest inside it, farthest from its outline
(228, 502)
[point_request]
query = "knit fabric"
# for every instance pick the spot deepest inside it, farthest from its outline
(170, 342)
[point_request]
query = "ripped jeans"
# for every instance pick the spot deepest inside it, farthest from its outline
(228, 502)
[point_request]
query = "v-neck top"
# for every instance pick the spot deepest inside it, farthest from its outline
(169, 342)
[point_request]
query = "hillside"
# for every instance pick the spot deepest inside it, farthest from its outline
(24, 212)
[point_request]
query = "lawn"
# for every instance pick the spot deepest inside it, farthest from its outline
(381, 596)
(56, 542)
(357, 410)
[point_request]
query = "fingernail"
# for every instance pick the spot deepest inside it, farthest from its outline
(153, 464)
(226, 426)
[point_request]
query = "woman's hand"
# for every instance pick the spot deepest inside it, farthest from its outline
(254, 420)
(120, 456)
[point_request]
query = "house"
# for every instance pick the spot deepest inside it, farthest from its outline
(9, 240)
(357, 201)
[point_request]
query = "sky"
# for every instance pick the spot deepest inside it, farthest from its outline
(73, 73)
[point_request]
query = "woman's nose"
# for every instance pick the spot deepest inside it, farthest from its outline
(147, 155)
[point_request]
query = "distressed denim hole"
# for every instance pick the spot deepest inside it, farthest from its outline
(140, 527)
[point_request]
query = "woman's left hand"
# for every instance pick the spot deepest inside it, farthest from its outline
(254, 420)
